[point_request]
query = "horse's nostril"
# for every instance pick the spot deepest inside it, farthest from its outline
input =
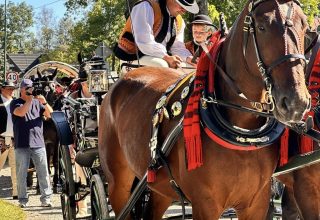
(284, 104)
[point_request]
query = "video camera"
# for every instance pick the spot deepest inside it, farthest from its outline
(37, 89)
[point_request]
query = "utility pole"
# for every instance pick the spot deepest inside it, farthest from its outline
(5, 41)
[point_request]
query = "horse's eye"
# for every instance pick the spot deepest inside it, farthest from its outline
(261, 28)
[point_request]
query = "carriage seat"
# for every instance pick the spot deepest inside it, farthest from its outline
(86, 157)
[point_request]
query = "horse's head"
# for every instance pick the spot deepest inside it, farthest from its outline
(271, 55)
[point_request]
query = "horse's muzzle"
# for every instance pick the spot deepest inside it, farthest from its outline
(292, 109)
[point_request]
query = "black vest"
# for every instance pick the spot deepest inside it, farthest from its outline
(3, 116)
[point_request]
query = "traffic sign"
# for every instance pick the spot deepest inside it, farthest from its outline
(12, 76)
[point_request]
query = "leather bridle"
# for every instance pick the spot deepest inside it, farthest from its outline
(249, 30)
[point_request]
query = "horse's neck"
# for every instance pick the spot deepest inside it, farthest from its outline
(233, 63)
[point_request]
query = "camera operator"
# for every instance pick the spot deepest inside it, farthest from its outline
(27, 112)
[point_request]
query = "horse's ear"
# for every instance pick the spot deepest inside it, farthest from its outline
(39, 74)
(80, 58)
(51, 77)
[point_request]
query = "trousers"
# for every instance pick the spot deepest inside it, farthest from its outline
(10, 155)
(39, 157)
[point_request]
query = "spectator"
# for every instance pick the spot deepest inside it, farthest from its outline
(202, 29)
(6, 133)
(27, 112)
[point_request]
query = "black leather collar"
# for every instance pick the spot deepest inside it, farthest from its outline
(212, 119)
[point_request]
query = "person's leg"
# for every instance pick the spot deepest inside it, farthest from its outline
(22, 163)
(12, 164)
(152, 61)
(82, 205)
(3, 158)
(144, 61)
(39, 158)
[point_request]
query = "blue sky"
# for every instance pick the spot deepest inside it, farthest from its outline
(57, 6)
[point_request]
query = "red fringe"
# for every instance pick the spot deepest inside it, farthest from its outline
(306, 145)
(151, 176)
(194, 152)
(284, 147)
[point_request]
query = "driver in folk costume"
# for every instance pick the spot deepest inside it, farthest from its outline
(157, 36)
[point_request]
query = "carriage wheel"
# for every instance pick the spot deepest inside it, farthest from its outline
(99, 206)
(68, 202)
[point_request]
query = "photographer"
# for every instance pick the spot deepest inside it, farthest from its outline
(27, 112)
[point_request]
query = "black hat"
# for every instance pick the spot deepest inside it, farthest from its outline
(189, 5)
(202, 19)
(8, 84)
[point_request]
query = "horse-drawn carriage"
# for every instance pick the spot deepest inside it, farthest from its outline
(74, 136)
(238, 151)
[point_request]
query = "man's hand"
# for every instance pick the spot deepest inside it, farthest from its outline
(173, 61)
(189, 61)
(41, 99)
(29, 98)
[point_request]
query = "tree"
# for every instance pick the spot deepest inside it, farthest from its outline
(19, 22)
(62, 51)
(46, 26)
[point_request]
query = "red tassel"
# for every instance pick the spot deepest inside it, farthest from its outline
(306, 145)
(151, 176)
(284, 147)
(194, 152)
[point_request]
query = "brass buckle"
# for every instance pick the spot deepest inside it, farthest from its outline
(258, 106)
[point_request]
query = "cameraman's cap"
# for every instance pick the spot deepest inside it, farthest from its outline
(189, 5)
(202, 19)
(8, 84)
(25, 83)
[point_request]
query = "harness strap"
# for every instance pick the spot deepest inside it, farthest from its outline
(283, 59)
(315, 48)
(173, 183)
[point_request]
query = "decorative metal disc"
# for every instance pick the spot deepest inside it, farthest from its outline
(161, 115)
(166, 113)
(250, 7)
(155, 120)
(170, 88)
(161, 102)
(176, 108)
(185, 92)
(191, 79)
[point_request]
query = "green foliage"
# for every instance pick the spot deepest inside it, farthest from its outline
(19, 20)
(103, 23)
(311, 8)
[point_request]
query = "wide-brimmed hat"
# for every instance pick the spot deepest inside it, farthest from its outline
(202, 19)
(8, 84)
(189, 5)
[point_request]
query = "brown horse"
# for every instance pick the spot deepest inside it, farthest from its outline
(227, 178)
(301, 196)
